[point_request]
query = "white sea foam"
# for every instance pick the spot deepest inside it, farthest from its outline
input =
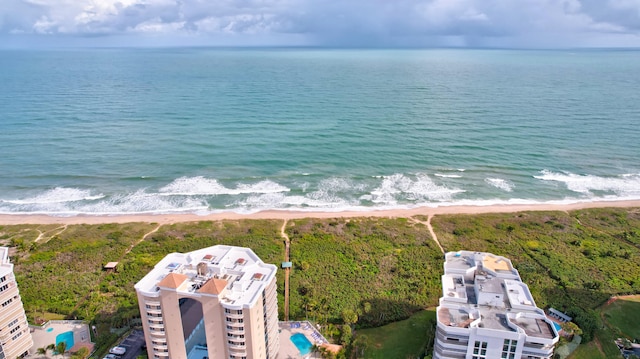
(331, 193)
(193, 186)
(418, 188)
(132, 203)
(57, 195)
(624, 185)
(500, 183)
(446, 175)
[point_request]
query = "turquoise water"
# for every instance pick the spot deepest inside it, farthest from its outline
(49, 330)
(557, 326)
(117, 131)
(302, 343)
(65, 337)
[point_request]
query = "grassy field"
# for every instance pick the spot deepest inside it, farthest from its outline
(624, 314)
(403, 339)
(618, 319)
(384, 270)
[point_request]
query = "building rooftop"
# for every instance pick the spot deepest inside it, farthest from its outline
(234, 274)
(485, 291)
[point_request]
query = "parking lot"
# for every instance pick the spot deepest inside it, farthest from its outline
(133, 343)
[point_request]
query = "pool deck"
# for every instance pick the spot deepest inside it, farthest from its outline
(288, 350)
(42, 337)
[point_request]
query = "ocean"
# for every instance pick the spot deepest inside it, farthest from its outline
(207, 130)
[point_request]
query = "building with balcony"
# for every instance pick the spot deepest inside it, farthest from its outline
(15, 337)
(486, 311)
(217, 302)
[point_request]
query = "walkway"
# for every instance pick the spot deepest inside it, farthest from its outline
(430, 228)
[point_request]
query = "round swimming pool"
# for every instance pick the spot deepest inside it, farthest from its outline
(302, 343)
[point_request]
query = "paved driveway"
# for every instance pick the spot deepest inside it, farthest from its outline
(133, 343)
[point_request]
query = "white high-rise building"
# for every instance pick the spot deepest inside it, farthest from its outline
(487, 312)
(217, 303)
(15, 337)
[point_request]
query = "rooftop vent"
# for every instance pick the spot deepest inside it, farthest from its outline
(202, 269)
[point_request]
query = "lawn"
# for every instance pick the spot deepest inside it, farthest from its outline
(404, 339)
(624, 314)
(617, 319)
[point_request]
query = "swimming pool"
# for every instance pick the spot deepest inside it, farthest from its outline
(66, 337)
(558, 327)
(302, 343)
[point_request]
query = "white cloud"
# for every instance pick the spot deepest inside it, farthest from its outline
(339, 22)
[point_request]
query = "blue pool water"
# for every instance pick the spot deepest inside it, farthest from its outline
(65, 337)
(49, 330)
(558, 327)
(302, 343)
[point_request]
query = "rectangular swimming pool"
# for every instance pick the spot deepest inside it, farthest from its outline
(558, 327)
(302, 343)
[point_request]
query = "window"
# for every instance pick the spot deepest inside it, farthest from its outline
(14, 322)
(16, 336)
(4, 287)
(509, 349)
(3, 279)
(14, 329)
(479, 350)
(7, 302)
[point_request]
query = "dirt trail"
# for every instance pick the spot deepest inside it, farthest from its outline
(430, 228)
(141, 239)
(41, 235)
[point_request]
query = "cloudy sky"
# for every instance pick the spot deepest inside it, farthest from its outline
(339, 23)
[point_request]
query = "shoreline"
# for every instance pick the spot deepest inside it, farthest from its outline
(10, 219)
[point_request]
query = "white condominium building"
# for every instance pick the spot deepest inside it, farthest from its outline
(487, 312)
(217, 303)
(15, 337)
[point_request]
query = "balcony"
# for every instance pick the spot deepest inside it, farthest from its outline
(235, 324)
(237, 349)
(234, 316)
(160, 348)
(151, 311)
(156, 332)
(235, 330)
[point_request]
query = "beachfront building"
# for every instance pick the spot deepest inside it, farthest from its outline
(487, 312)
(217, 302)
(15, 337)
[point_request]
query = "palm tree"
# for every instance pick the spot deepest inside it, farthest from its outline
(42, 351)
(61, 348)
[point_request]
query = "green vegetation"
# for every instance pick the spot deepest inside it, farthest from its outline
(616, 319)
(377, 270)
(409, 338)
(356, 273)
(624, 314)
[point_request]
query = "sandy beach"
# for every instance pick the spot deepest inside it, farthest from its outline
(177, 218)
